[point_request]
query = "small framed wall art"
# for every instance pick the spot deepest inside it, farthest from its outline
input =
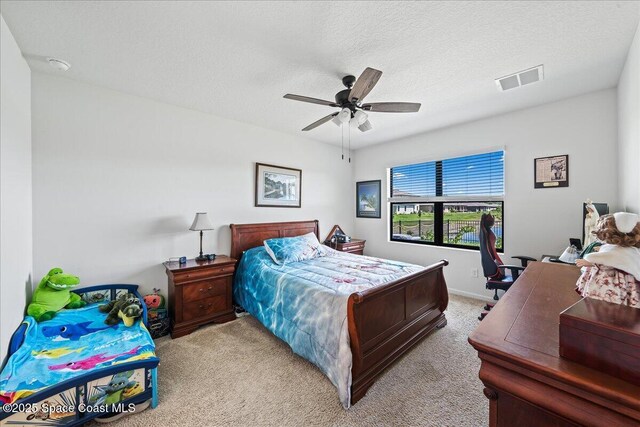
(551, 171)
(278, 186)
(368, 199)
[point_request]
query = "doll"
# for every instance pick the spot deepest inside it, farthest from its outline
(613, 273)
(590, 221)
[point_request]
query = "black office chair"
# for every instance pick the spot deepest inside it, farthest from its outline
(493, 267)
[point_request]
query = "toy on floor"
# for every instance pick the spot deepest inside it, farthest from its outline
(154, 300)
(127, 307)
(155, 303)
(53, 294)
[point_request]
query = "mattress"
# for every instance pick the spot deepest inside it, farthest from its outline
(305, 303)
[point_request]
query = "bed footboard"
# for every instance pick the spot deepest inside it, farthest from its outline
(386, 321)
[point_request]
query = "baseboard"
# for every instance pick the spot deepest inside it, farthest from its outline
(471, 295)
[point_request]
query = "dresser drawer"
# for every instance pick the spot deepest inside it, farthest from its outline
(205, 288)
(190, 276)
(204, 307)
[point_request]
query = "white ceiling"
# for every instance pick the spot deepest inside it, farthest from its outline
(237, 59)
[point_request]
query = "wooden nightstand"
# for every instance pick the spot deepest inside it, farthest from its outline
(355, 246)
(200, 293)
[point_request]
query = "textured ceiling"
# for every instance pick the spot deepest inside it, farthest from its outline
(237, 59)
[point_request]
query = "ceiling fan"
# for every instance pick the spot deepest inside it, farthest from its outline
(350, 103)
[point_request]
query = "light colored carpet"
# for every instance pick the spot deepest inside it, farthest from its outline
(240, 374)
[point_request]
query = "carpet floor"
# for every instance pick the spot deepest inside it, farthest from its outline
(239, 374)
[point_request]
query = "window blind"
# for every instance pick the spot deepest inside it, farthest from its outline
(475, 177)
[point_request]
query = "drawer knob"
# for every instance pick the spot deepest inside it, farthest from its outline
(210, 287)
(201, 290)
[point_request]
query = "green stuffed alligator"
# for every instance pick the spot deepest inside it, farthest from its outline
(53, 294)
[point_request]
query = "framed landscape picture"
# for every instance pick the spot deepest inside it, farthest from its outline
(551, 172)
(278, 186)
(368, 199)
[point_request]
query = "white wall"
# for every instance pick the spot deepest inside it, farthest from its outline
(117, 180)
(537, 221)
(15, 186)
(629, 129)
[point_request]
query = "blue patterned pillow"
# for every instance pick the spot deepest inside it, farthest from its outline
(294, 249)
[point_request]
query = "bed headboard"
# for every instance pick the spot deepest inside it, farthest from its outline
(247, 236)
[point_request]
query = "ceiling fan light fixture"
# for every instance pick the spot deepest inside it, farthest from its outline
(344, 115)
(365, 126)
(360, 117)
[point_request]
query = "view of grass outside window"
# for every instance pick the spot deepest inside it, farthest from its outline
(422, 207)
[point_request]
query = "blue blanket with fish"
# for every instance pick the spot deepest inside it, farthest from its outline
(305, 303)
(73, 343)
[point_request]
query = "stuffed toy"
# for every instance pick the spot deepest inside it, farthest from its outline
(127, 307)
(155, 305)
(154, 300)
(53, 294)
(612, 273)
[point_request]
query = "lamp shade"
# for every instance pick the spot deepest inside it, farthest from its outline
(201, 222)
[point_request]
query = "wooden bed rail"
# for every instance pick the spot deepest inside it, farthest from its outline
(387, 321)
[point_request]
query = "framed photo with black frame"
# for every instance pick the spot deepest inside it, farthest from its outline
(278, 186)
(368, 203)
(550, 172)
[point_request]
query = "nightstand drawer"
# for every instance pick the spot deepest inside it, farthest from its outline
(190, 276)
(353, 247)
(205, 288)
(203, 308)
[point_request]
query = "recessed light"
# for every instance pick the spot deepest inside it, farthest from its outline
(59, 64)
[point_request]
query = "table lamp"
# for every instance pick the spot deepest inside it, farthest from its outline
(200, 223)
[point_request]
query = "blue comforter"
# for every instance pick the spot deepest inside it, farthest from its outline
(75, 342)
(305, 303)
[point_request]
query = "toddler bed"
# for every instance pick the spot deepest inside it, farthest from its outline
(74, 367)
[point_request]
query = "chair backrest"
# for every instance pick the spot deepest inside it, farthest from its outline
(489, 265)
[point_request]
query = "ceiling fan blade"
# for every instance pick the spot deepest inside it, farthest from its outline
(320, 122)
(311, 100)
(364, 84)
(392, 107)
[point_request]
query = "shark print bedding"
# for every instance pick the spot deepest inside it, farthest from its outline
(305, 303)
(73, 343)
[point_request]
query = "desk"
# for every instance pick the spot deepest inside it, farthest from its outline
(526, 381)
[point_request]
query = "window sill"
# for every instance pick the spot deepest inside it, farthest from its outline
(426, 245)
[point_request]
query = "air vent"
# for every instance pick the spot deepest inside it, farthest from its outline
(521, 78)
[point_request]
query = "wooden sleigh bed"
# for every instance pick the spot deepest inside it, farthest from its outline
(384, 322)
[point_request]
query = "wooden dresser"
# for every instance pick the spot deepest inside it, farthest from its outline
(200, 293)
(526, 381)
(355, 246)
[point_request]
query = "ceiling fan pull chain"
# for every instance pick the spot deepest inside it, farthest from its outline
(342, 145)
(349, 130)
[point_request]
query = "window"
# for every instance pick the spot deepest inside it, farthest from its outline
(441, 202)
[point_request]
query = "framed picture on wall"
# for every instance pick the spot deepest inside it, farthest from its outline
(368, 199)
(278, 186)
(551, 171)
